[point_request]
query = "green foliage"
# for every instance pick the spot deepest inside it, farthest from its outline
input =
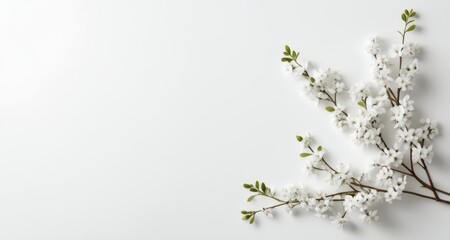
(289, 54)
(407, 17)
(329, 109)
(362, 104)
(305, 154)
(299, 138)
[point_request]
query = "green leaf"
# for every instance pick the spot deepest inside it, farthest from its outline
(413, 14)
(410, 21)
(403, 17)
(319, 148)
(305, 154)
(252, 219)
(329, 109)
(246, 217)
(253, 190)
(299, 138)
(406, 12)
(286, 53)
(361, 104)
(257, 184)
(244, 212)
(412, 27)
(311, 79)
(249, 199)
(286, 59)
(246, 185)
(263, 187)
(287, 48)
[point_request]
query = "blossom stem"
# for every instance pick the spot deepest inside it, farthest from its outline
(431, 181)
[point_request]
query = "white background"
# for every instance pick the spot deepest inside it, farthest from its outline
(142, 119)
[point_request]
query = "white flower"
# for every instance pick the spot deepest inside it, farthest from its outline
(419, 152)
(318, 155)
(384, 176)
(293, 193)
(402, 112)
(374, 46)
(358, 92)
(339, 116)
(342, 174)
(290, 207)
(349, 203)
(340, 86)
(411, 49)
(412, 69)
(391, 156)
(429, 128)
(396, 51)
(287, 67)
(323, 206)
(406, 136)
(306, 141)
(369, 216)
(340, 220)
(268, 212)
(394, 192)
(405, 83)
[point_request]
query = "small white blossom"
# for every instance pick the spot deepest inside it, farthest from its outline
(425, 153)
(358, 92)
(342, 174)
(268, 212)
(374, 46)
(369, 216)
(429, 128)
(306, 141)
(391, 157)
(396, 51)
(410, 49)
(384, 176)
(403, 112)
(340, 220)
(405, 136)
(339, 116)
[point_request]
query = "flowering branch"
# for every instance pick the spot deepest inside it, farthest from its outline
(386, 180)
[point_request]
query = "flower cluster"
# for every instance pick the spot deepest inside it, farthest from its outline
(386, 180)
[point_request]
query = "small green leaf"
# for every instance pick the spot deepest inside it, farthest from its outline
(244, 212)
(311, 79)
(252, 219)
(406, 12)
(286, 59)
(246, 217)
(246, 185)
(257, 184)
(403, 17)
(287, 48)
(329, 109)
(249, 199)
(253, 190)
(305, 154)
(299, 138)
(319, 148)
(361, 104)
(412, 27)
(263, 187)
(413, 14)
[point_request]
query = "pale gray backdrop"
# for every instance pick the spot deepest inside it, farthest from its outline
(141, 119)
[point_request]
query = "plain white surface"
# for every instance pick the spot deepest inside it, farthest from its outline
(141, 119)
